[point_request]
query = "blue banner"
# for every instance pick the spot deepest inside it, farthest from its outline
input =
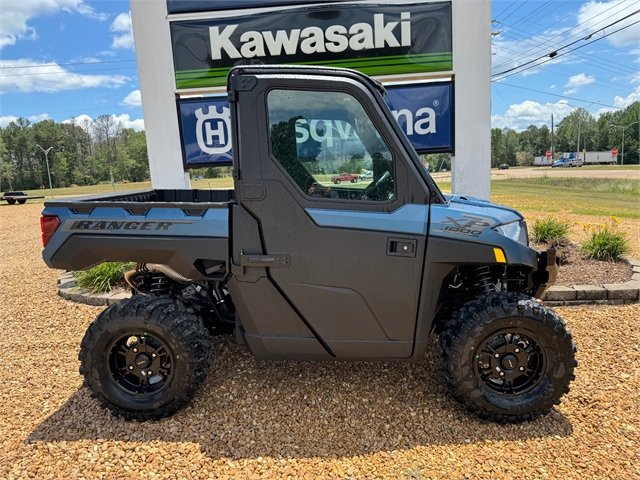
(424, 112)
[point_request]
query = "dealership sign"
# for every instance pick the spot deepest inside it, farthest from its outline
(424, 112)
(375, 39)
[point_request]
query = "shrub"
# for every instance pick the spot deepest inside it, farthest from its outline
(551, 230)
(606, 242)
(103, 277)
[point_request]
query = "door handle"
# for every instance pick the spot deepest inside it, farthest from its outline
(401, 247)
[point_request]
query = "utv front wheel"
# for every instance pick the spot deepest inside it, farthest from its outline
(145, 358)
(507, 358)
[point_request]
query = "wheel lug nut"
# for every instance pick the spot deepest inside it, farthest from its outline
(521, 369)
(135, 350)
(130, 367)
(517, 350)
(153, 355)
(497, 355)
(502, 374)
(150, 372)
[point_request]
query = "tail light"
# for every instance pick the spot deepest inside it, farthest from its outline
(48, 226)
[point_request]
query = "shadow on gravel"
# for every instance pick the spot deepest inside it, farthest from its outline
(250, 408)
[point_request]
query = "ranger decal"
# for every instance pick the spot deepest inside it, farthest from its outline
(102, 225)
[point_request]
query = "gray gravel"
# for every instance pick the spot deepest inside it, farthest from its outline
(256, 419)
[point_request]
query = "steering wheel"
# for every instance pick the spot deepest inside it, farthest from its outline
(374, 186)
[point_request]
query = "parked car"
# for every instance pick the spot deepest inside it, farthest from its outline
(503, 166)
(345, 177)
(366, 176)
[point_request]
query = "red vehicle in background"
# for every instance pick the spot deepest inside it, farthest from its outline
(345, 177)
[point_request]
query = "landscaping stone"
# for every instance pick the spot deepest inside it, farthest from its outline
(617, 291)
(590, 292)
(560, 293)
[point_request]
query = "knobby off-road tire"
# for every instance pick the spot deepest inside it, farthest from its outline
(145, 358)
(506, 358)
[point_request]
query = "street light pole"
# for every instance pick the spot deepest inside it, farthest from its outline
(46, 157)
(623, 127)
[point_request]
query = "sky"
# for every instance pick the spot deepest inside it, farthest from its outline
(76, 58)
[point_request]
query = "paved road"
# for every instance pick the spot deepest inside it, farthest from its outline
(532, 172)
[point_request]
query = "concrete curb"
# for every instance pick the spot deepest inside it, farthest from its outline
(67, 289)
(608, 294)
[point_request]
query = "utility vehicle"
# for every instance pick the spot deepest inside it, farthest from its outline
(304, 271)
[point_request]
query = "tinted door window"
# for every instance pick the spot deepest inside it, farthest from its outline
(329, 146)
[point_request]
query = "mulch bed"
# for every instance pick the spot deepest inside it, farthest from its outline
(576, 270)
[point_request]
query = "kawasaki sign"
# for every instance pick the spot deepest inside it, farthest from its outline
(375, 39)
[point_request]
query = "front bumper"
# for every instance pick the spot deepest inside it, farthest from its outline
(547, 273)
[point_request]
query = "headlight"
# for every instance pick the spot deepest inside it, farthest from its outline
(515, 231)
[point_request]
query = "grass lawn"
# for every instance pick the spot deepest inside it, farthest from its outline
(604, 197)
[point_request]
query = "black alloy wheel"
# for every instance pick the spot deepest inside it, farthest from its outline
(146, 357)
(507, 358)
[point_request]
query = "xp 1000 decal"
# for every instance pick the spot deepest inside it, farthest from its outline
(374, 39)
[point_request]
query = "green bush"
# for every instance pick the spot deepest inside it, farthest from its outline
(551, 230)
(606, 242)
(103, 277)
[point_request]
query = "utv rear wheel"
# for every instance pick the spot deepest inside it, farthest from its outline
(507, 358)
(145, 358)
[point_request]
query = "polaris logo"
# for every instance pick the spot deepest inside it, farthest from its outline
(311, 40)
(123, 225)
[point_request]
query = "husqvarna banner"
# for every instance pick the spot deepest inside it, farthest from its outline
(424, 112)
(375, 39)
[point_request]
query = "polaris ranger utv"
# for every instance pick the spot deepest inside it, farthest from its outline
(301, 268)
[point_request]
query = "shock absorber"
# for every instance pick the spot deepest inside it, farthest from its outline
(483, 280)
(159, 283)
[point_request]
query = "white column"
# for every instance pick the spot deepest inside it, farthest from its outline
(471, 166)
(157, 87)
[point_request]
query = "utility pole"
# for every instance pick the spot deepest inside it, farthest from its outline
(552, 138)
(46, 157)
(623, 127)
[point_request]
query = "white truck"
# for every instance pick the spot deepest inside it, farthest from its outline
(542, 161)
(599, 157)
(590, 158)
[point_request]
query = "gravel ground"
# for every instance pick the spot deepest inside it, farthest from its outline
(258, 419)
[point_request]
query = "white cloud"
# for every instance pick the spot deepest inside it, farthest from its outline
(124, 33)
(580, 80)
(594, 15)
(625, 102)
(7, 119)
(520, 116)
(124, 119)
(552, 87)
(137, 124)
(50, 77)
(16, 14)
(571, 91)
(132, 100)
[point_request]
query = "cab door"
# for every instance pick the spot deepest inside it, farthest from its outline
(347, 257)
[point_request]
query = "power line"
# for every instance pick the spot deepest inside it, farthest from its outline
(522, 4)
(555, 95)
(511, 5)
(532, 14)
(549, 40)
(594, 61)
(555, 54)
